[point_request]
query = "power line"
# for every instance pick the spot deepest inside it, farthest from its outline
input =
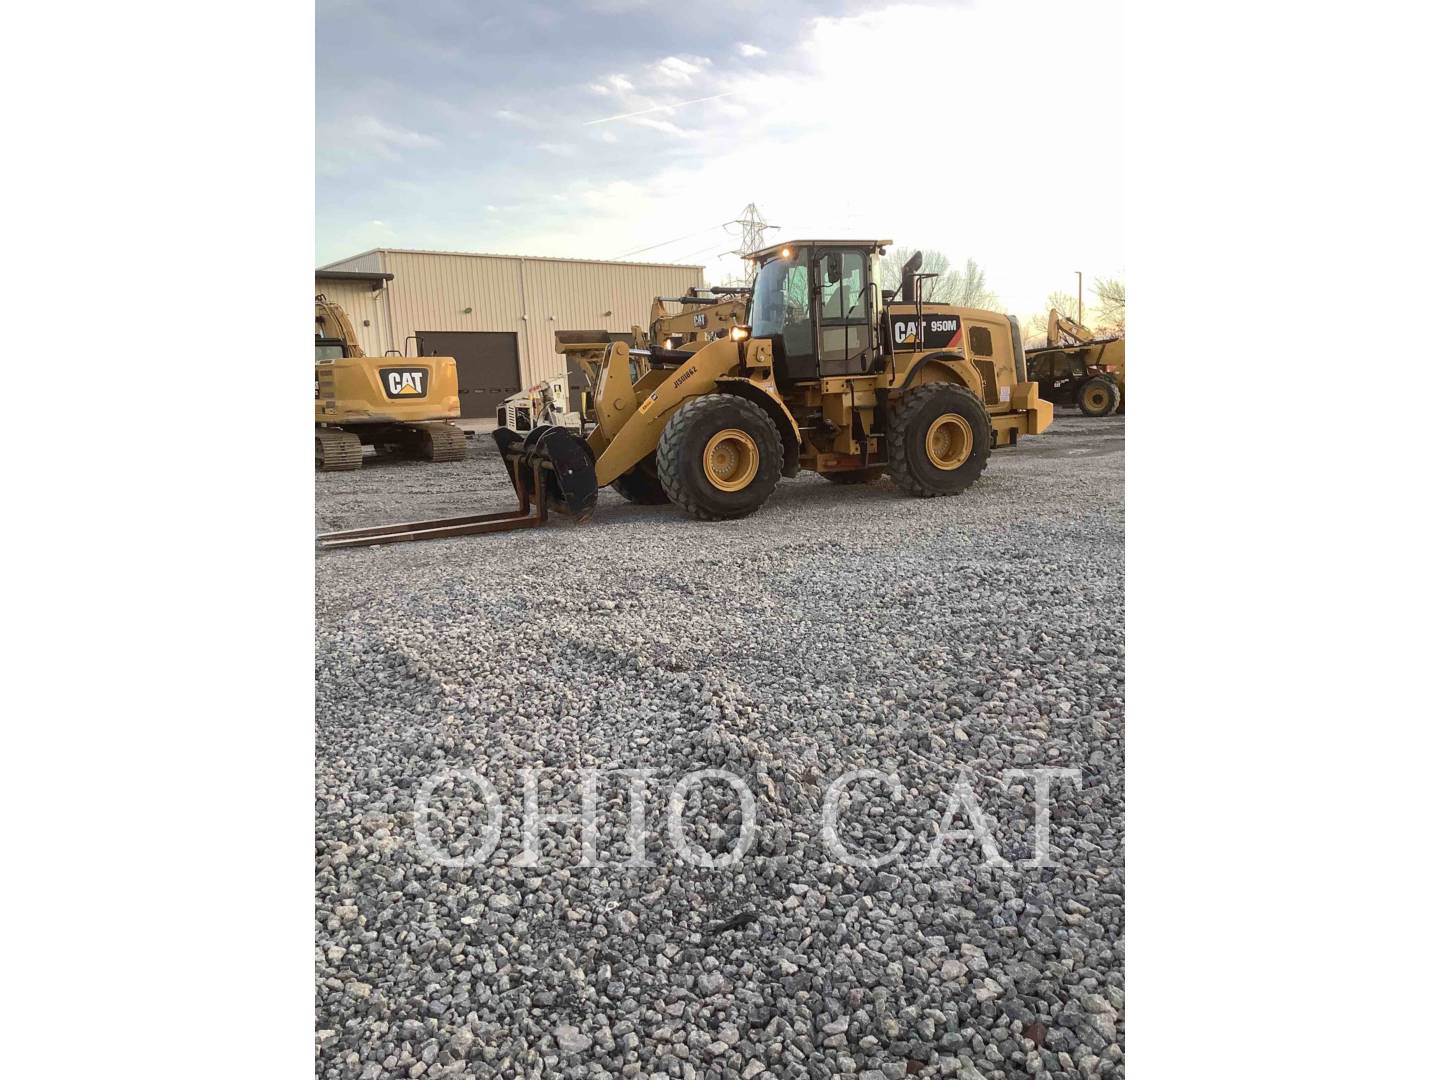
(708, 249)
(676, 240)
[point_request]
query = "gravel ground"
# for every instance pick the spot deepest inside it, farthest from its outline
(839, 628)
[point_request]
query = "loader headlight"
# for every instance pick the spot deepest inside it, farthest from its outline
(739, 333)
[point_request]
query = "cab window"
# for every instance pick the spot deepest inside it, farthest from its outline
(980, 342)
(842, 296)
(844, 320)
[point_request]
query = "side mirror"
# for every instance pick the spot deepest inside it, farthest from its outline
(832, 268)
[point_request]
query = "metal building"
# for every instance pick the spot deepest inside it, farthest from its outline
(496, 314)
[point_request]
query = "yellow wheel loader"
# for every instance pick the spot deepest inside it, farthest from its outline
(830, 374)
(1074, 367)
(391, 402)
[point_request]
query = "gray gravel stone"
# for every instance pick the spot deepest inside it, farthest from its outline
(571, 1040)
(838, 628)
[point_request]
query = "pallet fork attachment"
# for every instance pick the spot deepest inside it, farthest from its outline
(549, 468)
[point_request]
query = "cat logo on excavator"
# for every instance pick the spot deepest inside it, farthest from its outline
(403, 382)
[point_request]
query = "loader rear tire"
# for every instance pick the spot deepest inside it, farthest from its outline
(856, 476)
(641, 485)
(939, 440)
(1098, 396)
(719, 457)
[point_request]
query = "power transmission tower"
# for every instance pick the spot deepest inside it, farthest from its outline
(752, 236)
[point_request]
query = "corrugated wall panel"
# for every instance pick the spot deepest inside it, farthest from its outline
(431, 292)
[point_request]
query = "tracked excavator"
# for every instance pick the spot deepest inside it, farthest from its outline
(829, 373)
(393, 403)
(1074, 367)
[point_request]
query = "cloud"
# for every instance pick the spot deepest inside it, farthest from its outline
(679, 137)
(373, 129)
(665, 126)
(365, 137)
(510, 116)
(612, 84)
(679, 71)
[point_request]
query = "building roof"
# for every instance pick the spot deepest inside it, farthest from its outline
(773, 248)
(374, 277)
(496, 255)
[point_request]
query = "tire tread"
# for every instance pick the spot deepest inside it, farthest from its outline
(669, 453)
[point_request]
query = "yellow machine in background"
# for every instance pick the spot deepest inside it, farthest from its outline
(701, 317)
(829, 374)
(391, 402)
(1074, 367)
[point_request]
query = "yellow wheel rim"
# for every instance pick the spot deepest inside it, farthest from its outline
(731, 460)
(1098, 397)
(949, 441)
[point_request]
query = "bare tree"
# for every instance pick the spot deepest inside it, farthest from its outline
(1110, 292)
(972, 290)
(965, 287)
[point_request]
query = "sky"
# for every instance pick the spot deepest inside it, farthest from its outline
(625, 128)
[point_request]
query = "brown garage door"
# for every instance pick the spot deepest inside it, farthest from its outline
(486, 362)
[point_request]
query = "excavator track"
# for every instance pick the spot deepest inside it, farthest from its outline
(337, 451)
(446, 442)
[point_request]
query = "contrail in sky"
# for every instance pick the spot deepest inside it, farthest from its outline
(659, 108)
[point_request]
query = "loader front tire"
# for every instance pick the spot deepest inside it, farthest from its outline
(641, 485)
(939, 440)
(719, 457)
(1098, 396)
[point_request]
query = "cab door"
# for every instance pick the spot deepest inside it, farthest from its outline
(842, 311)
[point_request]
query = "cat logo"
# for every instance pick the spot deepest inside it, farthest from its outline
(403, 382)
(930, 332)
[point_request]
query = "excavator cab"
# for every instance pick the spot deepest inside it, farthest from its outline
(329, 349)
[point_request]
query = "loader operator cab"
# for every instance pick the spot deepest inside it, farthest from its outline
(817, 302)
